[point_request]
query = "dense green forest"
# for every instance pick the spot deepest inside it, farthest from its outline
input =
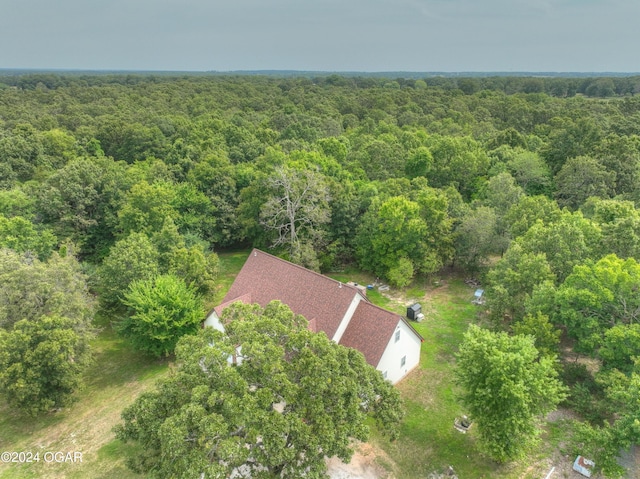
(117, 191)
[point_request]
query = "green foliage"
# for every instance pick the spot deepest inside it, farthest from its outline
(30, 289)
(398, 228)
(530, 172)
(147, 207)
(400, 275)
(80, 200)
(621, 154)
(527, 211)
(16, 202)
(620, 347)
(602, 445)
(620, 224)
(597, 296)
(547, 338)
(21, 154)
(567, 242)
(130, 259)
(419, 163)
(511, 283)
(199, 151)
(41, 363)
(271, 398)
(581, 178)
(163, 309)
(604, 441)
(20, 235)
(391, 231)
(196, 267)
(570, 139)
(457, 161)
(475, 238)
(506, 387)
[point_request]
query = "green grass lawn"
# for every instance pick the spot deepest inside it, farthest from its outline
(428, 441)
(230, 265)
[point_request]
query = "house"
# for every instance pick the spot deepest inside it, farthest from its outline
(387, 340)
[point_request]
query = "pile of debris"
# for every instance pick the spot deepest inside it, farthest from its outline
(449, 473)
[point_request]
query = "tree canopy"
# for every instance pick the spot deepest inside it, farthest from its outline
(268, 398)
(163, 309)
(506, 387)
(41, 363)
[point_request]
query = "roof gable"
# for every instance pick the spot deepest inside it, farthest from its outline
(265, 278)
(369, 331)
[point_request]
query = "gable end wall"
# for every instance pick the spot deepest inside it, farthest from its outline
(408, 345)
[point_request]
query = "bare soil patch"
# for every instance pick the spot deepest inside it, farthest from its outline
(365, 464)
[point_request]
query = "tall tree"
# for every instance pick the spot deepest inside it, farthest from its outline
(132, 258)
(20, 235)
(511, 283)
(527, 211)
(269, 399)
(597, 296)
(298, 205)
(569, 241)
(163, 309)
(41, 362)
(30, 289)
(390, 232)
(583, 177)
(506, 387)
(476, 238)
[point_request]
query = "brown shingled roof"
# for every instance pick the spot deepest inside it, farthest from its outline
(245, 298)
(370, 330)
(266, 278)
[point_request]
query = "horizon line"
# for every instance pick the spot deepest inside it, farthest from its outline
(323, 72)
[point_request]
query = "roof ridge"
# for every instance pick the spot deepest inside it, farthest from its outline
(307, 270)
(383, 309)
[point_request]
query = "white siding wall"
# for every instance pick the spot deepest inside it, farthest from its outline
(347, 317)
(408, 346)
(213, 321)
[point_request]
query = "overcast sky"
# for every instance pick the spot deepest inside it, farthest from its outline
(328, 35)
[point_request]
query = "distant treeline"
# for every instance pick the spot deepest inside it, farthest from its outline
(599, 85)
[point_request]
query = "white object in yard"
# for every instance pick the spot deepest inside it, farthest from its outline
(583, 466)
(478, 296)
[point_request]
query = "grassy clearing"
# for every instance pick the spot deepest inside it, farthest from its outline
(230, 265)
(428, 442)
(117, 377)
